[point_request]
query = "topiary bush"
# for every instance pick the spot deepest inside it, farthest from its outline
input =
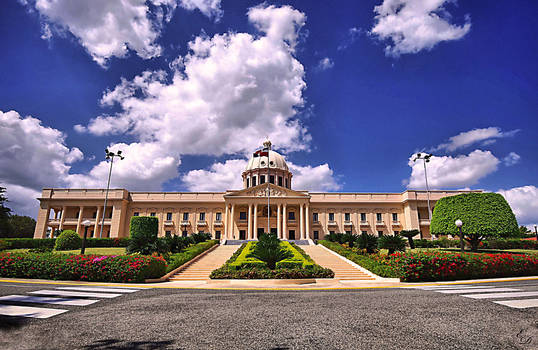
(392, 243)
(484, 215)
(409, 234)
(143, 231)
(68, 240)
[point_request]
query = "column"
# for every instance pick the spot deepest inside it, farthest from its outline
(301, 220)
(232, 228)
(255, 228)
(79, 223)
(96, 226)
(225, 235)
(62, 218)
(278, 222)
(284, 228)
(249, 230)
(307, 217)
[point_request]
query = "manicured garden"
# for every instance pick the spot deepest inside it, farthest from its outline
(270, 258)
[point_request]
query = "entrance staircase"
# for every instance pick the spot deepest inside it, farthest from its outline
(342, 269)
(201, 269)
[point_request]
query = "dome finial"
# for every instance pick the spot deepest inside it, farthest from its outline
(267, 144)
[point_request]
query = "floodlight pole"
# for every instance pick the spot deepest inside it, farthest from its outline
(268, 191)
(426, 159)
(536, 232)
(109, 155)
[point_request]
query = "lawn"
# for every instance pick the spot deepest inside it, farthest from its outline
(89, 251)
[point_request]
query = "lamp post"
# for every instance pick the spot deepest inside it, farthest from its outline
(86, 224)
(536, 232)
(267, 147)
(109, 155)
(459, 223)
(426, 158)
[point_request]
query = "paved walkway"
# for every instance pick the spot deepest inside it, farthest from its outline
(201, 269)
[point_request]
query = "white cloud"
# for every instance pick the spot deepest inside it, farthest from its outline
(524, 203)
(22, 200)
(452, 172)
(352, 35)
(511, 159)
(210, 8)
(325, 63)
(415, 25)
(233, 90)
(227, 175)
(464, 139)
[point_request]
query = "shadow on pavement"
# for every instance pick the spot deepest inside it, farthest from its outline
(124, 345)
(11, 322)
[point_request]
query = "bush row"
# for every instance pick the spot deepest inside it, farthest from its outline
(81, 267)
(32, 243)
(499, 243)
(178, 259)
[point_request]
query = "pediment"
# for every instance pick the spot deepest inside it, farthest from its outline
(261, 191)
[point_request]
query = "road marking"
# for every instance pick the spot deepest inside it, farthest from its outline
(47, 300)
(67, 293)
(27, 311)
(100, 289)
(519, 304)
(478, 290)
(501, 295)
(450, 287)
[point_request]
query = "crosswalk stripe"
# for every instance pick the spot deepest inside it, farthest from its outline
(478, 290)
(501, 295)
(75, 294)
(27, 311)
(47, 300)
(450, 287)
(519, 304)
(100, 289)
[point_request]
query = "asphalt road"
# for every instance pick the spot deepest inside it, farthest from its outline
(390, 318)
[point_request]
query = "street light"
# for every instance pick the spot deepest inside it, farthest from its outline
(109, 155)
(536, 232)
(459, 223)
(426, 158)
(86, 224)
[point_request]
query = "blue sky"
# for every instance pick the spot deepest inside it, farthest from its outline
(355, 95)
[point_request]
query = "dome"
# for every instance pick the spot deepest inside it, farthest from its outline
(259, 161)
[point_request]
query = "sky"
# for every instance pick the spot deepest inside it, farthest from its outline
(348, 91)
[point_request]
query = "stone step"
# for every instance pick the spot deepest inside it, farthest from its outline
(341, 268)
(201, 269)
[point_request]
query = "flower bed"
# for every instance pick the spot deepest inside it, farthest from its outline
(178, 259)
(134, 268)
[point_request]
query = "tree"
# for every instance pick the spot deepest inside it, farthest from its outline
(143, 231)
(22, 226)
(392, 243)
(483, 215)
(409, 234)
(5, 213)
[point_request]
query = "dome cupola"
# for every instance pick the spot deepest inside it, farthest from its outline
(267, 165)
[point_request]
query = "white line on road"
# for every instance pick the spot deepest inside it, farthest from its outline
(451, 288)
(478, 290)
(501, 295)
(27, 311)
(67, 293)
(47, 300)
(519, 304)
(100, 289)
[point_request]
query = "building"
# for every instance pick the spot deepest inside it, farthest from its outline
(240, 214)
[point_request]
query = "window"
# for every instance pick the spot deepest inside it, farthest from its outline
(331, 232)
(331, 216)
(396, 233)
(110, 214)
(395, 217)
(94, 214)
(364, 232)
(272, 179)
(262, 179)
(78, 213)
(363, 217)
(152, 214)
(168, 233)
(380, 233)
(348, 232)
(247, 182)
(315, 217)
(291, 235)
(379, 217)
(347, 217)
(218, 217)
(217, 234)
(168, 216)
(316, 234)
(280, 181)
(254, 181)
(184, 233)
(136, 213)
(185, 216)
(242, 215)
(286, 181)
(291, 215)
(202, 217)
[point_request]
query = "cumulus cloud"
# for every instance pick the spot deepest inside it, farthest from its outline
(227, 175)
(415, 25)
(230, 91)
(452, 172)
(22, 200)
(524, 203)
(325, 63)
(464, 139)
(511, 159)
(210, 8)
(352, 36)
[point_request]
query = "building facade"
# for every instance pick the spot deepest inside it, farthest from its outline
(267, 202)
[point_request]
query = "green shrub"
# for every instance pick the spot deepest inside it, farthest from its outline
(409, 234)
(68, 240)
(3, 244)
(201, 237)
(512, 243)
(368, 242)
(424, 243)
(392, 243)
(269, 250)
(316, 271)
(43, 249)
(143, 232)
(178, 259)
(445, 242)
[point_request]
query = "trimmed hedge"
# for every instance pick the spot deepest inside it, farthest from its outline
(513, 243)
(178, 259)
(53, 266)
(32, 243)
(68, 240)
(296, 261)
(143, 231)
